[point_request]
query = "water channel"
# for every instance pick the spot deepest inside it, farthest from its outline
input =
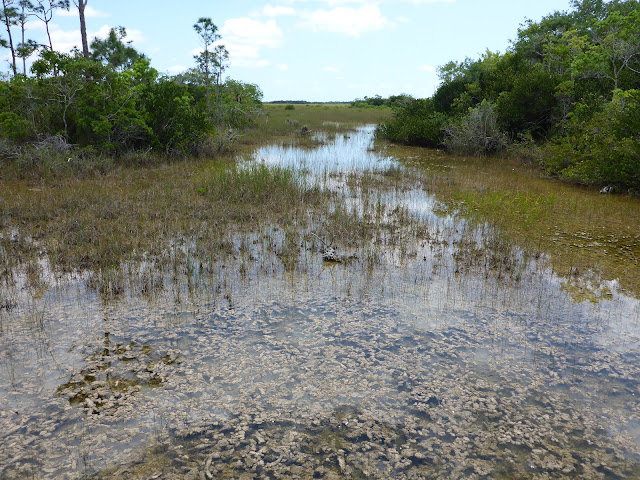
(411, 366)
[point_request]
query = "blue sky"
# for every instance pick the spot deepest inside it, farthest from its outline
(318, 50)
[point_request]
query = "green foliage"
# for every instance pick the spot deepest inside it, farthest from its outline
(110, 103)
(241, 103)
(173, 115)
(289, 107)
(415, 123)
(603, 148)
(567, 79)
(377, 101)
(15, 128)
(530, 104)
(121, 111)
(113, 51)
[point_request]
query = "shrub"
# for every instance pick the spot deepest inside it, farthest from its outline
(415, 123)
(603, 148)
(476, 133)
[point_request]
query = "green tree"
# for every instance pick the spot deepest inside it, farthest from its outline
(240, 103)
(26, 47)
(416, 122)
(9, 17)
(601, 148)
(221, 57)
(207, 60)
(615, 49)
(113, 51)
(44, 12)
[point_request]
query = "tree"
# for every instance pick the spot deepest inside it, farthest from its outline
(221, 56)
(81, 4)
(615, 48)
(9, 16)
(25, 47)
(207, 31)
(113, 51)
(415, 122)
(44, 12)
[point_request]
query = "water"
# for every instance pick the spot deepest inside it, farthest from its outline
(439, 360)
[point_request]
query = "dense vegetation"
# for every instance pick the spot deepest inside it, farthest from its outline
(109, 102)
(378, 101)
(566, 94)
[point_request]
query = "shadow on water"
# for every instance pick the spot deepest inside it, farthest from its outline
(441, 350)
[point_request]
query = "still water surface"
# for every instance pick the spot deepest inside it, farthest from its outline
(424, 364)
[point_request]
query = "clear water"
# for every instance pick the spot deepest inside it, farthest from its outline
(456, 370)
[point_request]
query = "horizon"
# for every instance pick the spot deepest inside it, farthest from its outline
(313, 50)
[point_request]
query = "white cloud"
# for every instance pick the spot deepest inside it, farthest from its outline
(277, 11)
(247, 30)
(89, 12)
(427, 68)
(283, 66)
(330, 68)
(244, 38)
(348, 20)
(65, 40)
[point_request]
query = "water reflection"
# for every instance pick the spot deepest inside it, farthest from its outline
(447, 359)
(343, 154)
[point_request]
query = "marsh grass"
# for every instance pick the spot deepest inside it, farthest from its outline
(336, 118)
(93, 214)
(578, 229)
(138, 232)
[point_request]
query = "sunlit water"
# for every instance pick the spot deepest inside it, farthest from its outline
(411, 367)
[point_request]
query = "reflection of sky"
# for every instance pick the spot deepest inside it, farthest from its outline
(349, 152)
(304, 343)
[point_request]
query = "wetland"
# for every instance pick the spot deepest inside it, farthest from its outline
(179, 321)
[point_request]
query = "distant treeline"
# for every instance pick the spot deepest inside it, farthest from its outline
(304, 102)
(378, 101)
(566, 95)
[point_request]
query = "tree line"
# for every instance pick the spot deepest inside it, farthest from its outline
(566, 94)
(108, 97)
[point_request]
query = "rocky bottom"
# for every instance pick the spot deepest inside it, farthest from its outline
(351, 443)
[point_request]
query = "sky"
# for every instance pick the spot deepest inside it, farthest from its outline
(314, 50)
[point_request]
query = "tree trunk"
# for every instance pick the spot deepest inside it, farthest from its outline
(23, 21)
(83, 28)
(7, 22)
(46, 24)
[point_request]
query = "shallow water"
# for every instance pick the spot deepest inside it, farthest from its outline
(441, 359)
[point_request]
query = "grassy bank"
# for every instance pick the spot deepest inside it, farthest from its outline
(279, 118)
(161, 210)
(580, 230)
